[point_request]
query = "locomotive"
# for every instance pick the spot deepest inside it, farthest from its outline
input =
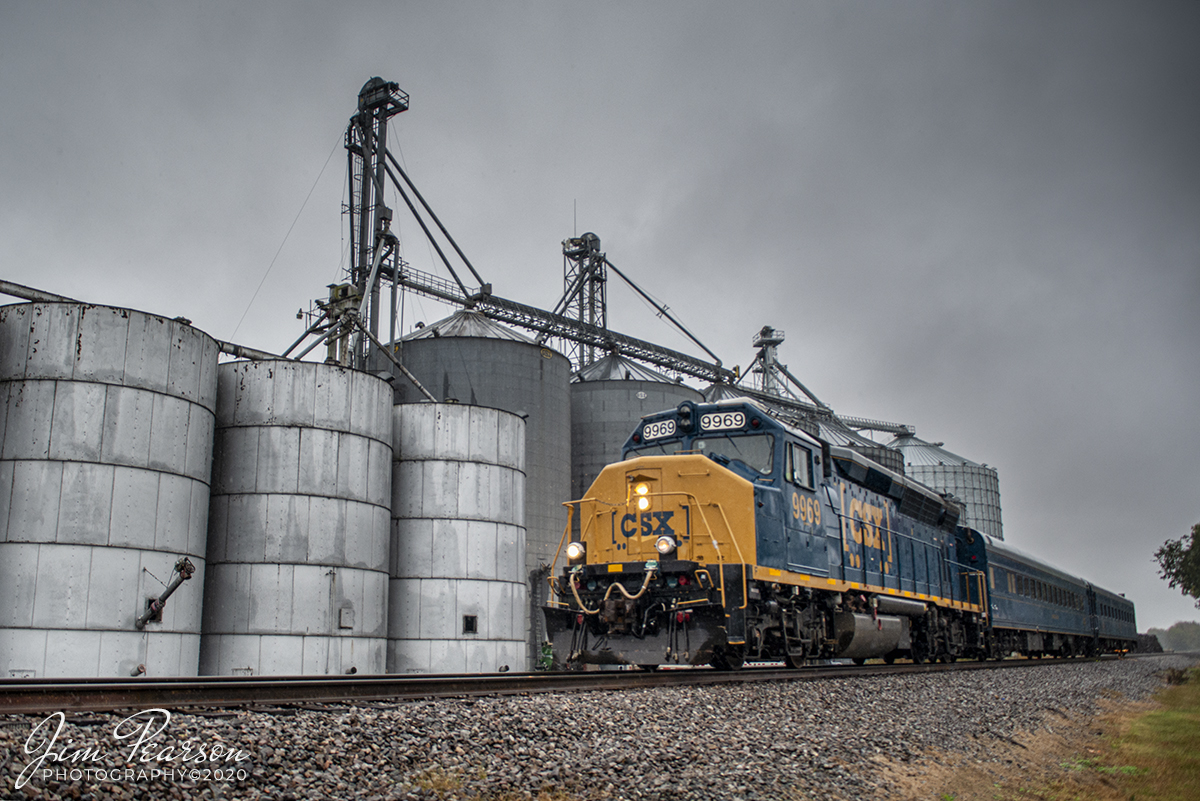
(726, 536)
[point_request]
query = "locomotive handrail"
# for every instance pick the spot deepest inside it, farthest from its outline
(914, 541)
(566, 529)
(969, 570)
(695, 502)
(552, 579)
(562, 540)
(741, 558)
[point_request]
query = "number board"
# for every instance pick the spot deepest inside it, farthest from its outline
(659, 429)
(720, 421)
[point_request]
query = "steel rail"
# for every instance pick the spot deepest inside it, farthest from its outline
(45, 696)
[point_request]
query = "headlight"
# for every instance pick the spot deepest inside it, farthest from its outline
(576, 551)
(665, 545)
(642, 490)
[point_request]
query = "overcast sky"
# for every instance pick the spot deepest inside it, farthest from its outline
(981, 219)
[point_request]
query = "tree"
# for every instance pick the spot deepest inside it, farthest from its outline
(1183, 636)
(1179, 563)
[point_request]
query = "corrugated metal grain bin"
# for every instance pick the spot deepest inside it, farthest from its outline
(457, 600)
(298, 540)
(107, 426)
(977, 485)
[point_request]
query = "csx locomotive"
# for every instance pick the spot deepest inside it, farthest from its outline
(726, 536)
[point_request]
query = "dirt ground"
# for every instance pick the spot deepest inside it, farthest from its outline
(1049, 763)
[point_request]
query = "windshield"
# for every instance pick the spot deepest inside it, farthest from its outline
(663, 449)
(756, 451)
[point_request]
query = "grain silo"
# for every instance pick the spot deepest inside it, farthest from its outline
(104, 470)
(608, 398)
(298, 535)
(458, 601)
(977, 485)
(471, 359)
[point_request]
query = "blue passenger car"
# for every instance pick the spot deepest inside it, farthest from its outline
(1114, 620)
(1035, 609)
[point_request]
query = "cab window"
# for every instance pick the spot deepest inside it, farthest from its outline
(756, 451)
(661, 449)
(799, 465)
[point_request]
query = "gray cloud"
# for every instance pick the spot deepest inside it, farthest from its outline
(976, 218)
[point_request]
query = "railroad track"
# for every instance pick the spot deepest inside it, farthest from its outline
(44, 696)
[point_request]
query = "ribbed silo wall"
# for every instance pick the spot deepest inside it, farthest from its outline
(978, 486)
(604, 414)
(529, 381)
(107, 426)
(298, 534)
(458, 540)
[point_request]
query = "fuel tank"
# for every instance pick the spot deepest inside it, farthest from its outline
(863, 636)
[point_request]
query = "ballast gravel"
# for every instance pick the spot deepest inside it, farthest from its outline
(744, 742)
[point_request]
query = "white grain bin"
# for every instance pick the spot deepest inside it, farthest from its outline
(107, 419)
(457, 600)
(977, 485)
(298, 538)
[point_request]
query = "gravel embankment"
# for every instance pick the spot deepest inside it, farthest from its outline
(794, 740)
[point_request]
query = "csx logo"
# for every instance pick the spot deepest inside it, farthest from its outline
(866, 523)
(648, 524)
(868, 528)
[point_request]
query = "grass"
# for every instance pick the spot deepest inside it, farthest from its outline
(1164, 748)
(1091, 763)
(1139, 756)
(1157, 758)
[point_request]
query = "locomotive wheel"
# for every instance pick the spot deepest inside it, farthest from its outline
(889, 658)
(859, 661)
(649, 668)
(793, 661)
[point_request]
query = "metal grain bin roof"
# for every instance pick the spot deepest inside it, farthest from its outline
(615, 367)
(467, 323)
(919, 452)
